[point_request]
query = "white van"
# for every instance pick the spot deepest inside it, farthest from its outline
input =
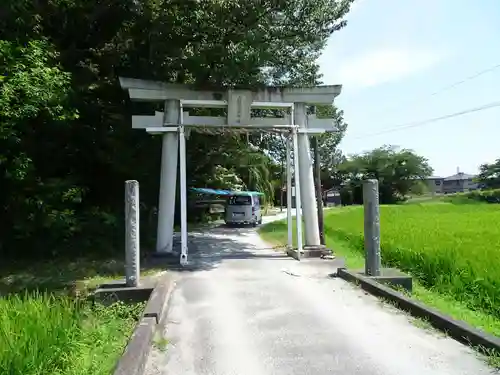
(243, 208)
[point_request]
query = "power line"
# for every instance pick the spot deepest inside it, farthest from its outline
(452, 85)
(458, 83)
(431, 120)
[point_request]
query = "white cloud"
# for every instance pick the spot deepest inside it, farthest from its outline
(383, 66)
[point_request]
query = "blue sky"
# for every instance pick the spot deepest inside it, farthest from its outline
(394, 54)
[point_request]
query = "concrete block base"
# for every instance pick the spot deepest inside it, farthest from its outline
(310, 252)
(316, 251)
(106, 294)
(117, 290)
(293, 253)
(391, 277)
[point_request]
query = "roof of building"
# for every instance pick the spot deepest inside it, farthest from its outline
(459, 176)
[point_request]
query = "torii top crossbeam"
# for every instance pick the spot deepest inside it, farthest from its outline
(144, 90)
(238, 102)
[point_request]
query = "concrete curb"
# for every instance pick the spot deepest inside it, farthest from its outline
(158, 299)
(134, 358)
(456, 329)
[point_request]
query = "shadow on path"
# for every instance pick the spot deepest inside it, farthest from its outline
(208, 249)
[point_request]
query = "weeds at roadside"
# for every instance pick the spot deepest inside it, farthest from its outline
(490, 356)
(160, 342)
(421, 323)
(42, 333)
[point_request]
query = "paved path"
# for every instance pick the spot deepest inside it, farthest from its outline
(247, 310)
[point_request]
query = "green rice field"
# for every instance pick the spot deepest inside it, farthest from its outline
(451, 249)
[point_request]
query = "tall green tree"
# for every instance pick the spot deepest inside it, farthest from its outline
(397, 170)
(77, 165)
(38, 192)
(489, 175)
(330, 154)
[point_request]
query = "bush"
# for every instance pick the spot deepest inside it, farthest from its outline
(487, 196)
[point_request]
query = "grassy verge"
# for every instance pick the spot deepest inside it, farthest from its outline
(47, 326)
(45, 334)
(73, 277)
(351, 249)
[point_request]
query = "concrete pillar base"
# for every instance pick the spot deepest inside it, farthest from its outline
(319, 251)
(316, 251)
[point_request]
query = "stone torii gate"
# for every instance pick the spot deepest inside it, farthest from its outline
(175, 123)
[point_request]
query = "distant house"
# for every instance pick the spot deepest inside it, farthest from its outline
(458, 183)
(435, 184)
(331, 197)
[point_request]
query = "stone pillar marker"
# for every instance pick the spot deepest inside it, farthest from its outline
(132, 241)
(371, 227)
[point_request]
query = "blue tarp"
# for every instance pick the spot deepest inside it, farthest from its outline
(211, 191)
(224, 192)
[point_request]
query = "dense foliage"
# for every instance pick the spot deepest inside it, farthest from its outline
(489, 175)
(487, 196)
(397, 170)
(66, 144)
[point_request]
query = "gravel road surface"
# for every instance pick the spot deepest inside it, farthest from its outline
(244, 309)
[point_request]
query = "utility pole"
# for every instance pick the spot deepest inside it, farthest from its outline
(319, 193)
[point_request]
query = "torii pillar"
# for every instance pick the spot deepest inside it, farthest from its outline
(168, 180)
(307, 191)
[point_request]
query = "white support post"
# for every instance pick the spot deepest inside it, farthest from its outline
(168, 181)
(132, 241)
(298, 204)
(306, 178)
(183, 191)
(289, 192)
